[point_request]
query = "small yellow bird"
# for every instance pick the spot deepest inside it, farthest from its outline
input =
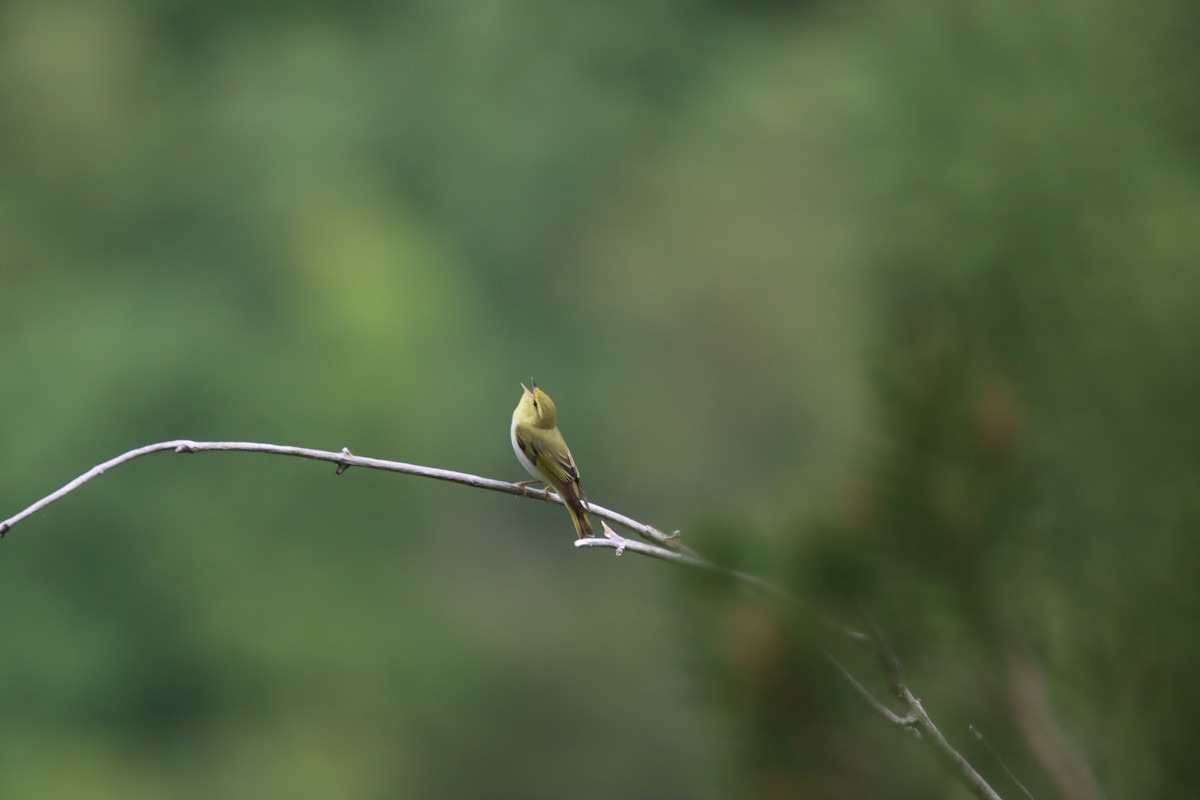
(543, 452)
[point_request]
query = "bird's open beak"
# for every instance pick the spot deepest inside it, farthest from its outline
(523, 387)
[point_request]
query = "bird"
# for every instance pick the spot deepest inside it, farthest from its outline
(543, 452)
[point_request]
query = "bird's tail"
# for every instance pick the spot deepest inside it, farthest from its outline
(578, 508)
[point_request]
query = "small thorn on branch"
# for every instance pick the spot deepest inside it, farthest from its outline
(186, 447)
(342, 467)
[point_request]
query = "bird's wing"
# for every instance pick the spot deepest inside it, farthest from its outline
(550, 454)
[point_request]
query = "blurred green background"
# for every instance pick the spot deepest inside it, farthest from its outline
(892, 303)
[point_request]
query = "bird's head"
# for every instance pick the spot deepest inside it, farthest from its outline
(536, 408)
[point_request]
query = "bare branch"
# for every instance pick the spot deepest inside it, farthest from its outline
(665, 547)
(343, 459)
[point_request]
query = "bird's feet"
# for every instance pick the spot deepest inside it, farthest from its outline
(523, 486)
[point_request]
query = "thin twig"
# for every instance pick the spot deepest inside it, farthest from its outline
(908, 722)
(689, 558)
(615, 541)
(951, 758)
(1011, 776)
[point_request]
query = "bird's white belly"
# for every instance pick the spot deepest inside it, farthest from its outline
(525, 462)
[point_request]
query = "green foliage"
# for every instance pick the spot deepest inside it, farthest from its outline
(890, 303)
